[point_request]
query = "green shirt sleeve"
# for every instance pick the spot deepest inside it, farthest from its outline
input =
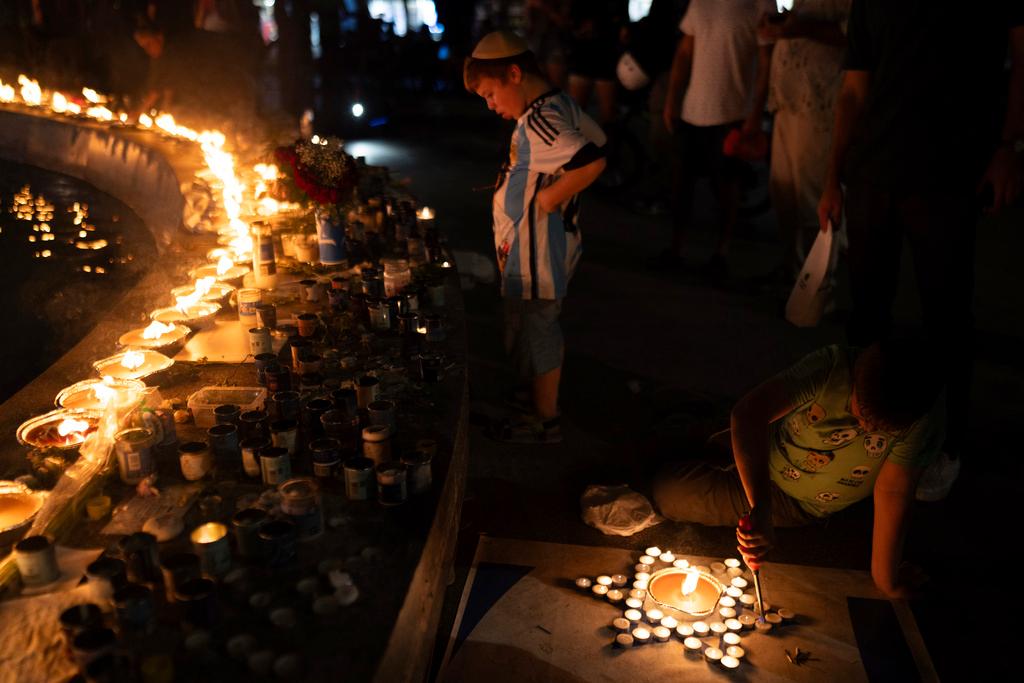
(923, 441)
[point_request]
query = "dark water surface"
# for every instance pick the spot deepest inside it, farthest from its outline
(53, 290)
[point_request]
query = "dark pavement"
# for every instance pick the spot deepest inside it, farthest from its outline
(654, 362)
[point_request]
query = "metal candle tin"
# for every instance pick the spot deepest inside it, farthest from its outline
(275, 465)
(418, 466)
(391, 483)
(383, 413)
(253, 424)
(251, 454)
(278, 537)
(326, 456)
(224, 442)
(286, 405)
(227, 414)
(260, 341)
(377, 443)
(210, 543)
(359, 478)
(367, 390)
(37, 560)
(177, 569)
(141, 555)
(196, 460)
(284, 434)
(134, 603)
(246, 525)
(300, 500)
(135, 460)
(266, 315)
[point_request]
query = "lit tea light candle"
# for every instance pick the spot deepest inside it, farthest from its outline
(646, 559)
(638, 593)
(786, 614)
(655, 616)
(733, 592)
(732, 563)
(748, 620)
(132, 364)
(641, 567)
(604, 580)
(623, 640)
(727, 613)
(667, 557)
(60, 429)
(735, 651)
(157, 335)
(670, 622)
(634, 603)
(641, 635)
(693, 646)
(640, 584)
(731, 638)
(662, 634)
(619, 580)
(642, 576)
(739, 582)
(729, 662)
(207, 289)
(684, 631)
(583, 583)
(681, 563)
(717, 568)
(734, 625)
(621, 624)
(691, 592)
(599, 589)
(747, 600)
(718, 628)
(727, 601)
(713, 654)
(762, 626)
(653, 551)
(615, 595)
(701, 628)
(634, 615)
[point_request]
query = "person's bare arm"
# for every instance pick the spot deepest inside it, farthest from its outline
(749, 422)
(894, 494)
(678, 80)
(1004, 173)
(569, 184)
(752, 125)
(849, 105)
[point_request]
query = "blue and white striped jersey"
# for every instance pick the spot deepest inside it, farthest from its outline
(538, 251)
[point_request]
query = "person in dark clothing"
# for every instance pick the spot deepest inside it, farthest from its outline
(594, 38)
(925, 127)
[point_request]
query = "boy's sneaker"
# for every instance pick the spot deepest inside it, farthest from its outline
(938, 478)
(527, 429)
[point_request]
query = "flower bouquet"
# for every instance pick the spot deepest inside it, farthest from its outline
(325, 175)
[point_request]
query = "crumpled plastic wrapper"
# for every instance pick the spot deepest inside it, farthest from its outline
(617, 510)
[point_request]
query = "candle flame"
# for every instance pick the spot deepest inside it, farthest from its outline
(31, 93)
(91, 95)
(70, 425)
(6, 92)
(103, 392)
(268, 172)
(157, 329)
(58, 103)
(690, 584)
(204, 285)
(426, 213)
(100, 113)
(224, 265)
(133, 360)
(145, 120)
(74, 108)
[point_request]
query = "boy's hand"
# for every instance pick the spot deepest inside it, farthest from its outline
(547, 202)
(910, 582)
(757, 540)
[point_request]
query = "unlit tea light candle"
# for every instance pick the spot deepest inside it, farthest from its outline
(735, 651)
(727, 613)
(762, 626)
(747, 600)
(717, 568)
(642, 576)
(786, 614)
(731, 562)
(621, 624)
(615, 595)
(619, 580)
(641, 567)
(604, 580)
(623, 640)
(727, 601)
(640, 584)
(661, 634)
(773, 618)
(681, 563)
(718, 628)
(733, 625)
(734, 572)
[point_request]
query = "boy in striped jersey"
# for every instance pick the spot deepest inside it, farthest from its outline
(554, 153)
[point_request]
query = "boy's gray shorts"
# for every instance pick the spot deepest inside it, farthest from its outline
(533, 335)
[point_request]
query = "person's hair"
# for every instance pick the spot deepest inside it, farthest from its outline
(475, 69)
(897, 382)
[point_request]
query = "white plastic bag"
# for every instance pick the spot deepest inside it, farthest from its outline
(617, 510)
(811, 291)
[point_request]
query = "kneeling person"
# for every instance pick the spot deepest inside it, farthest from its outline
(840, 425)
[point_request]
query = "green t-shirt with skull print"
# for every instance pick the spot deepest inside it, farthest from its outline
(819, 454)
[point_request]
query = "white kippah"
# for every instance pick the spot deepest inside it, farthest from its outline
(498, 45)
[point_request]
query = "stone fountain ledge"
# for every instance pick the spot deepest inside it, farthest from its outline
(146, 172)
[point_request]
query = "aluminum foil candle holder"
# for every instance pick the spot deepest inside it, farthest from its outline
(195, 316)
(157, 336)
(95, 394)
(683, 593)
(62, 429)
(132, 364)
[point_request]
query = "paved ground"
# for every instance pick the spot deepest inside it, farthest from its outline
(653, 362)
